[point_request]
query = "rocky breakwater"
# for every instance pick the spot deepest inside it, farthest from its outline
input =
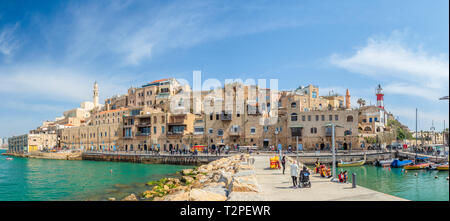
(226, 179)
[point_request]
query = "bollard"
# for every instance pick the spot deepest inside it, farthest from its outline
(353, 180)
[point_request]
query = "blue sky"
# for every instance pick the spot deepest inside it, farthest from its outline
(51, 52)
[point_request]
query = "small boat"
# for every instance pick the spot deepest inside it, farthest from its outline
(432, 166)
(442, 167)
(419, 163)
(400, 163)
(417, 166)
(382, 163)
(353, 163)
(9, 158)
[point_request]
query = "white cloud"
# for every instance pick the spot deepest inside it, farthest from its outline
(110, 30)
(409, 72)
(46, 82)
(425, 118)
(8, 41)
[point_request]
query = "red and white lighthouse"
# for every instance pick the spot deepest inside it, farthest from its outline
(380, 96)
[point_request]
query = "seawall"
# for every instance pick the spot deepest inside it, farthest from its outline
(151, 159)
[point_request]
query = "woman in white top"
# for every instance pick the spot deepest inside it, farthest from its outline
(294, 173)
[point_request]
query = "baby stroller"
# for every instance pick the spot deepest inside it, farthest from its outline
(304, 179)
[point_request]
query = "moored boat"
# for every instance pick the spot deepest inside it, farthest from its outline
(353, 163)
(442, 167)
(417, 166)
(419, 163)
(382, 163)
(400, 163)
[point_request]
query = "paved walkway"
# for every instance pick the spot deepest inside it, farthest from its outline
(278, 187)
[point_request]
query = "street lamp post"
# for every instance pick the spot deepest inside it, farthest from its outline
(333, 146)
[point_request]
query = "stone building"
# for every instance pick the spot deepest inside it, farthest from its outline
(313, 129)
(28, 143)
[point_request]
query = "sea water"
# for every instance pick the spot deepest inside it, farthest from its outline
(24, 179)
(426, 185)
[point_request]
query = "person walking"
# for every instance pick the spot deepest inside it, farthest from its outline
(283, 163)
(294, 173)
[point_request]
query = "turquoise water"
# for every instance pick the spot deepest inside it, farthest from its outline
(24, 179)
(423, 187)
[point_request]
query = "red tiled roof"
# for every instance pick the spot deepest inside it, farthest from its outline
(165, 79)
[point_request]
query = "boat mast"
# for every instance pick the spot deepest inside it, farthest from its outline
(416, 133)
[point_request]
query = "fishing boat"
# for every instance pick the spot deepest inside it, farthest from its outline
(419, 163)
(400, 163)
(382, 163)
(353, 163)
(442, 167)
(418, 166)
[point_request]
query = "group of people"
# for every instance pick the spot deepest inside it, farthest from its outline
(295, 173)
(343, 177)
(322, 170)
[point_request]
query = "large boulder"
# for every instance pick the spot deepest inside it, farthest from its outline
(243, 187)
(244, 173)
(186, 171)
(244, 184)
(218, 188)
(131, 197)
(187, 179)
(226, 177)
(178, 196)
(202, 195)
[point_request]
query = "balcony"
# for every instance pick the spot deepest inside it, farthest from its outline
(225, 117)
(144, 124)
(142, 134)
(174, 134)
(177, 120)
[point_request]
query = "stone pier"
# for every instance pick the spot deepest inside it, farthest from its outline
(152, 159)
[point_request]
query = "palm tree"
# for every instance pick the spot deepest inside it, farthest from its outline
(361, 102)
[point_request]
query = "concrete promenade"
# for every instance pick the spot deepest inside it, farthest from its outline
(278, 187)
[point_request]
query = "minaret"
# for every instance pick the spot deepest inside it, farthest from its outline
(347, 99)
(380, 96)
(95, 94)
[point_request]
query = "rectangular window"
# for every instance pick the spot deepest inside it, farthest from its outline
(252, 130)
(162, 129)
(154, 130)
(317, 117)
(211, 131)
(330, 118)
(336, 117)
(323, 117)
(370, 119)
(303, 118)
(309, 117)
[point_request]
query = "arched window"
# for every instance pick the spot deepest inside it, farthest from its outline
(378, 129)
(367, 129)
(293, 105)
(294, 117)
(349, 118)
(347, 132)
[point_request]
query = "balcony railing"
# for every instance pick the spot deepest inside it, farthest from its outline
(141, 134)
(225, 117)
(144, 124)
(170, 133)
